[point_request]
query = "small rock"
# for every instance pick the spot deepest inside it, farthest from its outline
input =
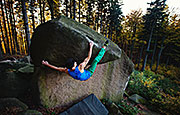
(29, 68)
(30, 112)
(137, 99)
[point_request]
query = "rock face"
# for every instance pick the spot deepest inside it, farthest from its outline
(63, 38)
(12, 105)
(109, 81)
(15, 77)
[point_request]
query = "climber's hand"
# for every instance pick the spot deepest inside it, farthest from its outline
(91, 44)
(45, 62)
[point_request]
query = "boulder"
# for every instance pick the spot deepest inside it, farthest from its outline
(11, 106)
(15, 78)
(109, 81)
(63, 38)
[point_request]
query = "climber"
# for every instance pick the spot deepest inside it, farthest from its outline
(79, 72)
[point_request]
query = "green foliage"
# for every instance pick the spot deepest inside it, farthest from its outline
(172, 42)
(170, 72)
(142, 83)
(122, 107)
(161, 92)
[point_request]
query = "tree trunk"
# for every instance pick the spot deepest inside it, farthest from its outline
(1, 56)
(74, 8)
(132, 48)
(15, 32)
(160, 52)
(5, 28)
(106, 33)
(66, 2)
(109, 33)
(1, 50)
(154, 51)
(101, 30)
(40, 10)
(9, 30)
(149, 43)
(122, 42)
(98, 17)
(104, 16)
(50, 2)
(3, 38)
(70, 9)
(32, 14)
(44, 19)
(79, 10)
(167, 62)
(88, 13)
(12, 27)
(140, 55)
(133, 42)
(25, 18)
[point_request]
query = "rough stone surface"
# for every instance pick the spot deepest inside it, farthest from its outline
(14, 83)
(13, 104)
(109, 81)
(28, 69)
(137, 99)
(63, 38)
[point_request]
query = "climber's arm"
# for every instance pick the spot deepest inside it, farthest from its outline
(61, 69)
(85, 62)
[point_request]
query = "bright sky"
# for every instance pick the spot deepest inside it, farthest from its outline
(137, 4)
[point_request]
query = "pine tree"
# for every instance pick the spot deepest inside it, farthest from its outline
(115, 18)
(153, 20)
(2, 40)
(132, 26)
(172, 43)
(25, 18)
(51, 6)
(5, 28)
(13, 26)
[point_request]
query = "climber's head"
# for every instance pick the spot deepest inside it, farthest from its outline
(71, 64)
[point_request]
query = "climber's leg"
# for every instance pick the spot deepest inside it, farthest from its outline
(98, 58)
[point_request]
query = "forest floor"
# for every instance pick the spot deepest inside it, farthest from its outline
(28, 97)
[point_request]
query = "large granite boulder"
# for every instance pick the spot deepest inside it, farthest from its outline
(109, 81)
(63, 38)
(15, 77)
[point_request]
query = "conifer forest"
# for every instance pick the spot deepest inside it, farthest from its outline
(151, 40)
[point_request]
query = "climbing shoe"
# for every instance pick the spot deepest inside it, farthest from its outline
(106, 43)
